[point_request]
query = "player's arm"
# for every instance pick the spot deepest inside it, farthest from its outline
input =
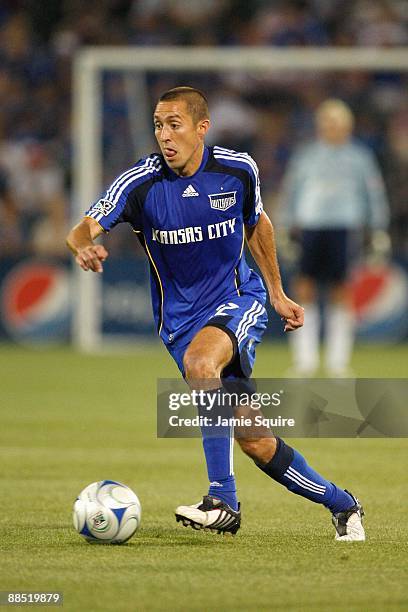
(261, 242)
(378, 209)
(80, 240)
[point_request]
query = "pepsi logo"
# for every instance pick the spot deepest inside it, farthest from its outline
(35, 302)
(380, 301)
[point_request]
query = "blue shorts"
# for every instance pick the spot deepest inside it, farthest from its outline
(244, 319)
(325, 254)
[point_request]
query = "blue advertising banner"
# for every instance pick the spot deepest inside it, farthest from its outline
(36, 300)
(126, 298)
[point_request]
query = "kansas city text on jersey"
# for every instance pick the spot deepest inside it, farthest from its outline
(184, 235)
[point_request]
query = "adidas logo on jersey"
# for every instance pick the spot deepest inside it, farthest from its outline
(190, 192)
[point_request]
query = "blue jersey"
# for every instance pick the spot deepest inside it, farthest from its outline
(192, 230)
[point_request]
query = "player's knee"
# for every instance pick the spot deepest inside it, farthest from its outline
(198, 367)
(249, 446)
(260, 450)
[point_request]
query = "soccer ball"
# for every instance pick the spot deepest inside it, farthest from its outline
(107, 512)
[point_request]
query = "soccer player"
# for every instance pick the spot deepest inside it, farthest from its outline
(193, 207)
(332, 190)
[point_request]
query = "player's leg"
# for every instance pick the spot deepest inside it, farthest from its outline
(278, 460)
(339, 335)
(224, 346)
(305, 342)
(210, 351)
(288, 467)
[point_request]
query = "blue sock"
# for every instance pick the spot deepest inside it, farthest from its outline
(218, 448)
(218, 454)
(289, 468)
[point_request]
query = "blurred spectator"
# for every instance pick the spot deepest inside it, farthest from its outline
(396, 177)
(11, 239)
(290, 23)
(37, 187)
(271, 150)
(233, 121)
(333, 189)
(379, 23)
(266, 114)
(183, 22)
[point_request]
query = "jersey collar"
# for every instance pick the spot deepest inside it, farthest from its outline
(200, 168)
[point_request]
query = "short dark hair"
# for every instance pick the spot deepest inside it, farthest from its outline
(197, 103)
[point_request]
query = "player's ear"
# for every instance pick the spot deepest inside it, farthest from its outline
(203, 127)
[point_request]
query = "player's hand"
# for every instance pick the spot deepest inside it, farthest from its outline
(92, 257)
(380, 248)
(290, 312)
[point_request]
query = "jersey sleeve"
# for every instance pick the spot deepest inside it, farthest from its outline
(119, 203)
(253, 206)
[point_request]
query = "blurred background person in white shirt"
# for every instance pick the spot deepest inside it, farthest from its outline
(333, 191)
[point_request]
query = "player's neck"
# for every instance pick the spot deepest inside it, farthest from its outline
(194, 162)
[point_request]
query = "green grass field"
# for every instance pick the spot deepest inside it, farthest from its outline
(70, 419)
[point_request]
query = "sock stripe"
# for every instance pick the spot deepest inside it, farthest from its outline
(304, 479)
(231, 453)
(301, 484)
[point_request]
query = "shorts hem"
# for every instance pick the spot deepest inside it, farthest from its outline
(229, 333)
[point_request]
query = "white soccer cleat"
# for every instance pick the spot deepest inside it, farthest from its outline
(211, 514)
(349, 524)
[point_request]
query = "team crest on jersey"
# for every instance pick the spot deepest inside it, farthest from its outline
(223, 201)
(104, 206)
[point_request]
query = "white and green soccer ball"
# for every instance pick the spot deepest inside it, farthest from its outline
(107, 512)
